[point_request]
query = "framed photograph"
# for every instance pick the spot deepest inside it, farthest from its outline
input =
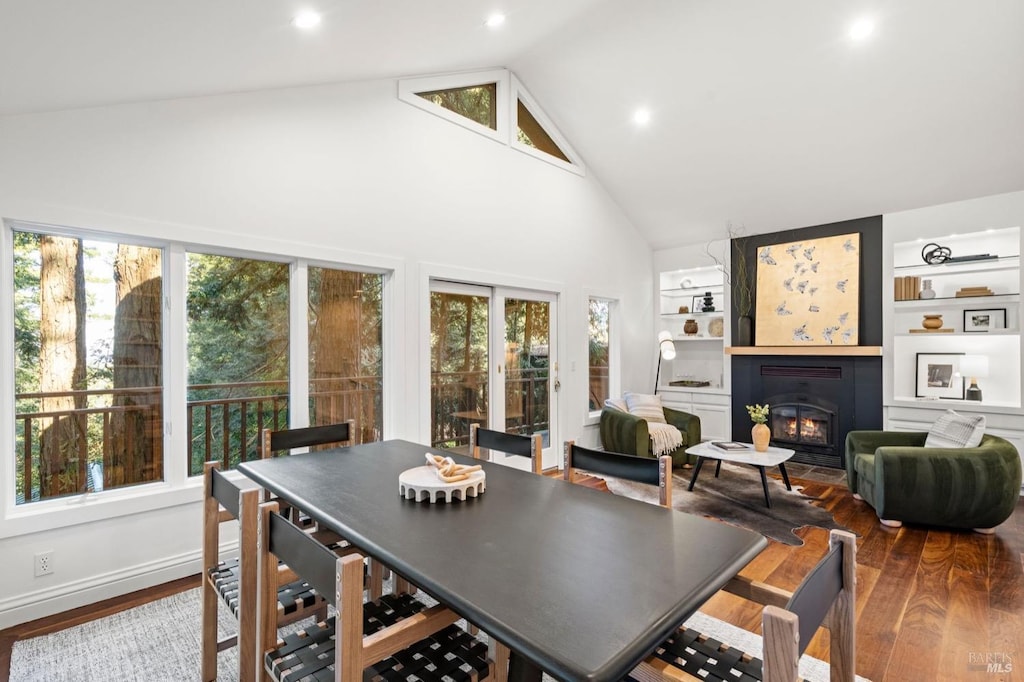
(698, 303)
(984, 320)
(938, 376)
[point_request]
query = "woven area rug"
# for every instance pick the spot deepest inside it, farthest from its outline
(160, 642)
(737, 497)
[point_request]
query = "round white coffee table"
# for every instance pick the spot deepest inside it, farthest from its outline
(771, 457)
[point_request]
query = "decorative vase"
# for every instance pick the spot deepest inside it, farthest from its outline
(709, 303)
(760, 434)
(690, 327)
(744, 331)
(932, 322)
(926, 290)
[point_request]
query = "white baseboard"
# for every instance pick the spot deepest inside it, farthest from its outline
(41, 603)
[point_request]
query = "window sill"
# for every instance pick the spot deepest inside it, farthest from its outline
(39, 517)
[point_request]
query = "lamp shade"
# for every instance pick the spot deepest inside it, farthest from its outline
(665, 344)
(974, 366)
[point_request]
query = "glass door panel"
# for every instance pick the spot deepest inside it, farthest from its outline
(486, 342)
(527, 338)
(529, 376)
(459, 363)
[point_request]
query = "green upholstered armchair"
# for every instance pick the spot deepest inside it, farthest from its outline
(626, 433)
(957, 487)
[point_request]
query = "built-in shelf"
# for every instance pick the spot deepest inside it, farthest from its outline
(862, 351)
(692, 339)
(960, 267)
(710, 313)
(991, 406)
(946, 301)
(976, 335)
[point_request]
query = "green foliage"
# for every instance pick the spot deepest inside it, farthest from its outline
(758, 413)
(476, 102)
(26, 312)
(237, 320)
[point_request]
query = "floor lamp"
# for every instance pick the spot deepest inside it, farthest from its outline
(667, 351)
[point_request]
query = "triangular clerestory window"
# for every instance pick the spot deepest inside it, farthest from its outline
(478, 103)
(494, 104)
(531, 133)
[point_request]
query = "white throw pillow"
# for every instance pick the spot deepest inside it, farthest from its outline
(645, 406)
(953, 430)
(616, 404)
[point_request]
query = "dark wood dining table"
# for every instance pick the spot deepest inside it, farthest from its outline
(577, 582)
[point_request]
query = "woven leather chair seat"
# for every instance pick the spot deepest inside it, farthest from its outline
(708, 659)
(450, 654)
(291, 598)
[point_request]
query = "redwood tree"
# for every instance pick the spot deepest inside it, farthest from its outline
(136, 443)
(62, 444)
(335, 346)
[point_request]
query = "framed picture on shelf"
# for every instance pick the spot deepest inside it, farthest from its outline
(984, 320)
(938, 376)
(697, 306)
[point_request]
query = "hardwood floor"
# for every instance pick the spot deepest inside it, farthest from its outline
(932, 604)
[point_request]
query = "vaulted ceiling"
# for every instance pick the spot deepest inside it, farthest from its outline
(766, 115)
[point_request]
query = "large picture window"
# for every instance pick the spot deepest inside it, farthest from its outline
(237, 356)
(94, 317)
(88, 365)
(346, 359)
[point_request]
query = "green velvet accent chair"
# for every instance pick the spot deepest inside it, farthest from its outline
(904, 481)
(626, 433)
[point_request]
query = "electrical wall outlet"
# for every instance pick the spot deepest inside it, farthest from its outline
(44, 563)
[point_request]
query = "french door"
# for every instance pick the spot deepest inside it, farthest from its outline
(492, 363)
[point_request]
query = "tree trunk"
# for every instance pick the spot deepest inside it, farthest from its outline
(335, 345)
(136, 441)
(62, 444)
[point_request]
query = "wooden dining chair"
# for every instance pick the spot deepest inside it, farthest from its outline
(396, 637)
(275, 443)
(509, 443)
(341, 435)
(826, 596)
(233, 580)
(631, 467)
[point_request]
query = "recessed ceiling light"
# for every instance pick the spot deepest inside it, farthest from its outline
(306, 19)
(862, 29)
(642, 117)
(495, 20)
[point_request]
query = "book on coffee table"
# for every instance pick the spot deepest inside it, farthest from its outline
(730, 446)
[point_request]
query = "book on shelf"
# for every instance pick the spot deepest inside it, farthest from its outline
(906, 288)
(729, 446)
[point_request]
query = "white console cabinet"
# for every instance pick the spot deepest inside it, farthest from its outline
(711, 405)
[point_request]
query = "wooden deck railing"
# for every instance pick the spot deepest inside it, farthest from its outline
(225, 420)
(461, 398)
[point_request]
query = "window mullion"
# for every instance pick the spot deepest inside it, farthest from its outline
(298, 351)
(176, 429)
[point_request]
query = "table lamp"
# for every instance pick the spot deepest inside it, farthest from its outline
(666, 350)
(973, 366)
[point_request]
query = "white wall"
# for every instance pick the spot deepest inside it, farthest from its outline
(323, 172)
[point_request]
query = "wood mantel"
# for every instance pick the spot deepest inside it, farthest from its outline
(864, 351)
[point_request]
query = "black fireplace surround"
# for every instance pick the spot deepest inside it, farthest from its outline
(815, 399)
